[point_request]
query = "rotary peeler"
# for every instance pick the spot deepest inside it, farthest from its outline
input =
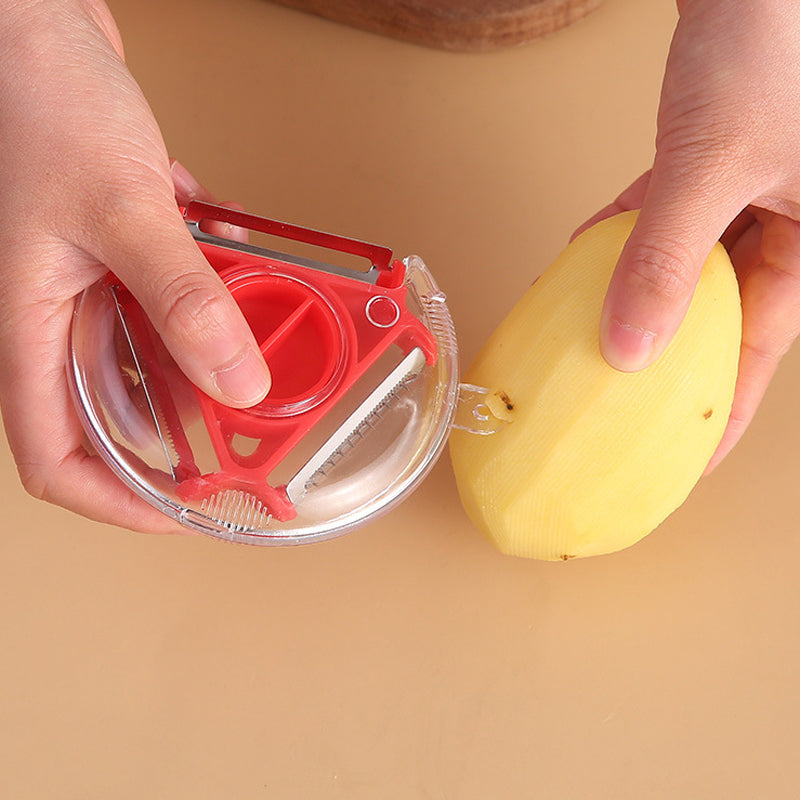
(365, 387)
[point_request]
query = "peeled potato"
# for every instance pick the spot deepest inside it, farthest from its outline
(592, 459)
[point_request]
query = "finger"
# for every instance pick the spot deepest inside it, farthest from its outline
(188, 188)
(102, 496)
(682, 217)
(101, 16)
(194, 313)
(770, 323)
(631, 198)
(737, 229)
(225, 229)
(745, 249)
(44, 433)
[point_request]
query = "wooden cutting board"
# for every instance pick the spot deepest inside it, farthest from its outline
(467, 25)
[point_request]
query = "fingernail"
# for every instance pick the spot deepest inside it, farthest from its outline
(626, 347)
(185, 183)
(245, 380)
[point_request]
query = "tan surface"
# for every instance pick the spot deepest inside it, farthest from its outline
(409, 660)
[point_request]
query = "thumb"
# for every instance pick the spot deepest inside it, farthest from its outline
(683, 215)
(187, 302)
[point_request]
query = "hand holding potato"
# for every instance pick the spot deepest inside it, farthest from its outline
(727, 167)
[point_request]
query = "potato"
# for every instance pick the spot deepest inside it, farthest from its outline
(594, 459)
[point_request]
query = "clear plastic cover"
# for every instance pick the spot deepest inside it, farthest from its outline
(361, 407)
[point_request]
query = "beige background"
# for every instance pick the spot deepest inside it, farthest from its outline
(409, 659)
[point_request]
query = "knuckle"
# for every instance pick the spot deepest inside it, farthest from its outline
(768, 352)
(191, 302)
(126, 196)
(786, 273)
(708, 156)
(661, 270)
(699, 148)
(113, 211)
(699, 125)
(35, 480)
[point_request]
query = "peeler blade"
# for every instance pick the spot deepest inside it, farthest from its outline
(410, 367)
(160, 402)
(156, 412)
(379, 257)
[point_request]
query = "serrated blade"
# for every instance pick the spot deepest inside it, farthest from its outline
(411, 366)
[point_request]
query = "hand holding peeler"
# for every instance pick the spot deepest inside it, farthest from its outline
(365, 387)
